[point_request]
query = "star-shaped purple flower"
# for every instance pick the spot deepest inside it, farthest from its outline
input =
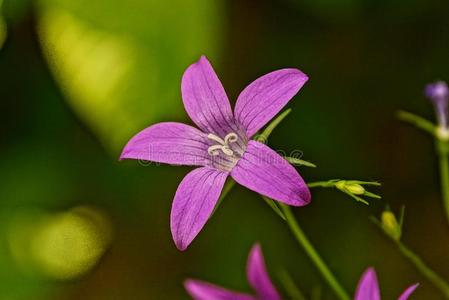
(222, 145)
(258, 278)
(368, 287)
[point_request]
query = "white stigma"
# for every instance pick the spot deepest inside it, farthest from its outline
(222, 145)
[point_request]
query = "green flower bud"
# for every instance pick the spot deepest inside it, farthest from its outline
(391, 225)
(355, 189)
(352, 188)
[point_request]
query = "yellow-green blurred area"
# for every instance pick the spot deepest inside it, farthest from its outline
(79, 78)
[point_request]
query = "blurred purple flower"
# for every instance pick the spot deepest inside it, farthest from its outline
(438, 93)
(258, 278)
(222, 145)
(368, 287)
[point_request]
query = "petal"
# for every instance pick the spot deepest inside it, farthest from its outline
(200, 290)
(264, 171)
(260, 101)
(368, 287)
(194, 201)
(169, 142)
(258, 275)
(408, 292)
(205, 99)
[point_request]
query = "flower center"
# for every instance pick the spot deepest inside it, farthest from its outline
(223, 145)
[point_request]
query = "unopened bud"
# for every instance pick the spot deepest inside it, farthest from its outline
(438, 93)
(352, 188)
(391, 225)
(355, 189)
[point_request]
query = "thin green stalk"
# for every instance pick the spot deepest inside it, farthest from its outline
(293, 292)
(312, 253)
(427, 272)
(263, 137)
(271, 203)
(418, 121)
(419, 264)
(443, 153)
(332, 183)
(226, 189)
(325, 184)
(442, 145)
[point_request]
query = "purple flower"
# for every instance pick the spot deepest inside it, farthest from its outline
(222, 145)
(438, 93)
(257, 277)
(368, 287)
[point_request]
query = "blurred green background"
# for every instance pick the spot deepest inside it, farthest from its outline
(79, 78)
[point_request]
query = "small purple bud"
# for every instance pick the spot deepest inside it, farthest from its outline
(438, 93)
(437, 90)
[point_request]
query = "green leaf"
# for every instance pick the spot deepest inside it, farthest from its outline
(371, 195)
(263, 137)
(374, 183)
(299, 162)
(357, 198)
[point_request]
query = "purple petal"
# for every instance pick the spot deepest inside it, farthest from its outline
(408, 292)
(260, 101)
(194, 201)
(205, 99)
(258, 275)
(200, 290)
(368, 287)
(172, 143)
(264, 171)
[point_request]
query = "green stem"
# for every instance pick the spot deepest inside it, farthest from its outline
(325, 184)
(271, 203)
(427, 272)
(293, 292)
(312, 253)
(418, 121)
(226, 189)
(443, 153)
(419, 264)
(263, 137)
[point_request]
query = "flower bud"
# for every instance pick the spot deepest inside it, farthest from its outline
(352, 188)
(438, 93)
(355, 189)
(391, 225)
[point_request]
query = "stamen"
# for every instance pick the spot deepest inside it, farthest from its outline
(216, 138)
(231, 138)
(223, 145)
(214, 150)
(227, 151)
